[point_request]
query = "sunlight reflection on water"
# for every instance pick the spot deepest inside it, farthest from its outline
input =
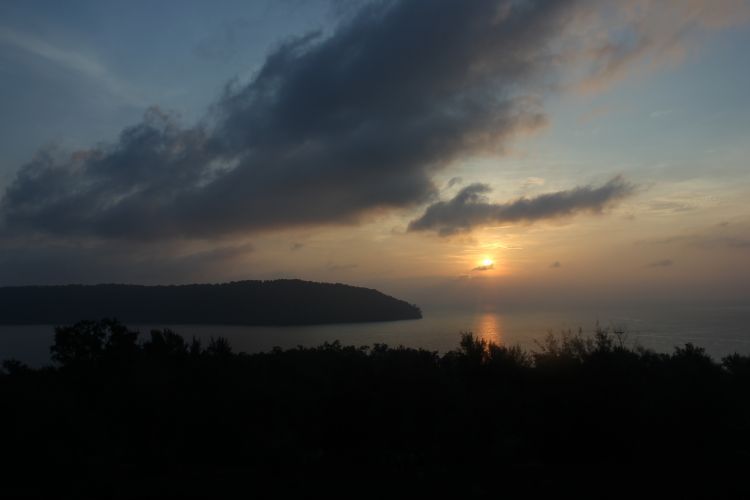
(489, 326)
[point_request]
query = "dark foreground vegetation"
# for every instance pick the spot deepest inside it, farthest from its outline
(120, 415)
(276, 302)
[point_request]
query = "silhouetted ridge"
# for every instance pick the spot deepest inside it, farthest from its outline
(278, 302)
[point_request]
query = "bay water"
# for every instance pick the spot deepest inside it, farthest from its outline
(721, 330)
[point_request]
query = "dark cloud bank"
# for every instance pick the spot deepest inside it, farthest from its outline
(470, 208)
(329, 129)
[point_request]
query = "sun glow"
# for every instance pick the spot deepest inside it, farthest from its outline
(487, 262)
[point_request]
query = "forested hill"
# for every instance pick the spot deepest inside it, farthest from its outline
(279, 302)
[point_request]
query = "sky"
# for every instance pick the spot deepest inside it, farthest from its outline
(449, 152)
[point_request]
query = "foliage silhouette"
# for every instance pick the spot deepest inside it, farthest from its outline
(116, 414)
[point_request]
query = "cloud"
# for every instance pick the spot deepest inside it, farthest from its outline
(335, 127)
(470, 208)
(671, 207)
(735, 242)
(455, 181)
(72, 60)
(532, 182)
(328, 130)
(487, 267)
(723, 236)
(662, 263)
(708, 240)
(654, 32)
(556, 265)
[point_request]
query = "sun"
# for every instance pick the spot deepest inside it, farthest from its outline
(487, 262)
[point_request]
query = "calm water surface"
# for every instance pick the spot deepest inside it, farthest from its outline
(720, 330)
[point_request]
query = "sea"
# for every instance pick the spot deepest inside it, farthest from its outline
(720, 330)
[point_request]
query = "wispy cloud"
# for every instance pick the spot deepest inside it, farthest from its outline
(705, 240)
(650, 32)
(72, 60)
(531, 183)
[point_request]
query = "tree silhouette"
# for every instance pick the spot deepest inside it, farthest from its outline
(287, 418)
